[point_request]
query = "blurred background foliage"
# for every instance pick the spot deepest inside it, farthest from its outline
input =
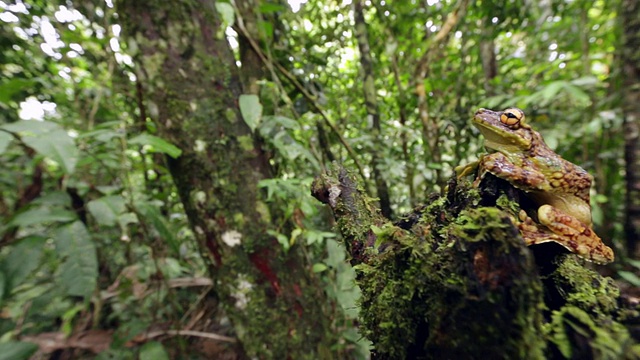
(94, 240)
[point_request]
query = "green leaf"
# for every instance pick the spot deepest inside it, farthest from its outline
(226, 12)
(42, 215)
(53, 199)
(153, 351)
(319, 267)
(268, 8)
(579, 95)
(30, 127)
(151, 214)
(585, 81)
(266, 29)
(102, 135)
(79, 269)
(336, 253)
(251, 110)
(5, 140)
(22, 260)
(630, 277)
(282, 239)
(634, 263)
(281, 120)
(49, 140)
(157, 144)
(551, 90)
(14, 86)
(107, 209)
(14, 350)
(314, 236)
(3, 286)
(294, 235)
(56, 145)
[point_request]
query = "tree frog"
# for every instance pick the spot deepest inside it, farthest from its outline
(559, 187)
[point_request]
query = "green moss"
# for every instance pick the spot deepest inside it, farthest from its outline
(263, 210)
(231, 115)
(246, 142)
(585, 288)
(507, 204)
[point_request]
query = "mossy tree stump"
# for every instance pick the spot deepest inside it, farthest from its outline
(454, 279)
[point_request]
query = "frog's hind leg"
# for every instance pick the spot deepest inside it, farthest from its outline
(574, 235)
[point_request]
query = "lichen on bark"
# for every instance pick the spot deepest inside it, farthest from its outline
(454, 279)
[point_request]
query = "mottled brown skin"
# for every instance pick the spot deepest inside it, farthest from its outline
(559, 187)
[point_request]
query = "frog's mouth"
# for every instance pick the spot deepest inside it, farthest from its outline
(494, 139)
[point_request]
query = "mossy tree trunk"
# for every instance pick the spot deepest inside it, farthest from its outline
(191, 87)
(455, 280)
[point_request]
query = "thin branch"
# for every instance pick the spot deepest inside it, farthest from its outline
(445, 30)
(304, 92)
(206, 335)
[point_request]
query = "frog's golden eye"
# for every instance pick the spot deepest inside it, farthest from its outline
(512, 117)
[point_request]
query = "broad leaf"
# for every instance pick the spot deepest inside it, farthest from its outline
(106, 210)
(13, 86)
(79, 269)
(56, 145)
(319, 267)
(42, 215)
(49, 140)
(153, 351)
(31, 127)
(5, 140)
(226, 12)
(630, 277)
(22, 260)
(251, 110)
(14, 350)
(157, 144)
(152, 215)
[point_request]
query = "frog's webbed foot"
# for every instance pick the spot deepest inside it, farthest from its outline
(522, 177)
(569, 232)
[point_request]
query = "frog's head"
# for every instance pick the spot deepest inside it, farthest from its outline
(504, 131)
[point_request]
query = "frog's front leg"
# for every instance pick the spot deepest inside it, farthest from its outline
(468, 169)
(520, 176)
(574, 235)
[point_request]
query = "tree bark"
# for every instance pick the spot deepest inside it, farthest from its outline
(455, 280)
(371, 101)
(191, 87)
(630, 56)
(488, 56)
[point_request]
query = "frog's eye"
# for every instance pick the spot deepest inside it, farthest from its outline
(512, 117)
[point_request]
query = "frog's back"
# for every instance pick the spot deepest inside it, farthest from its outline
(563, 176)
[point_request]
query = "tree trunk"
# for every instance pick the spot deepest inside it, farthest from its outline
(488, 56)
(630, 54)
(371, 102)
(455, 280)
(191, 87)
